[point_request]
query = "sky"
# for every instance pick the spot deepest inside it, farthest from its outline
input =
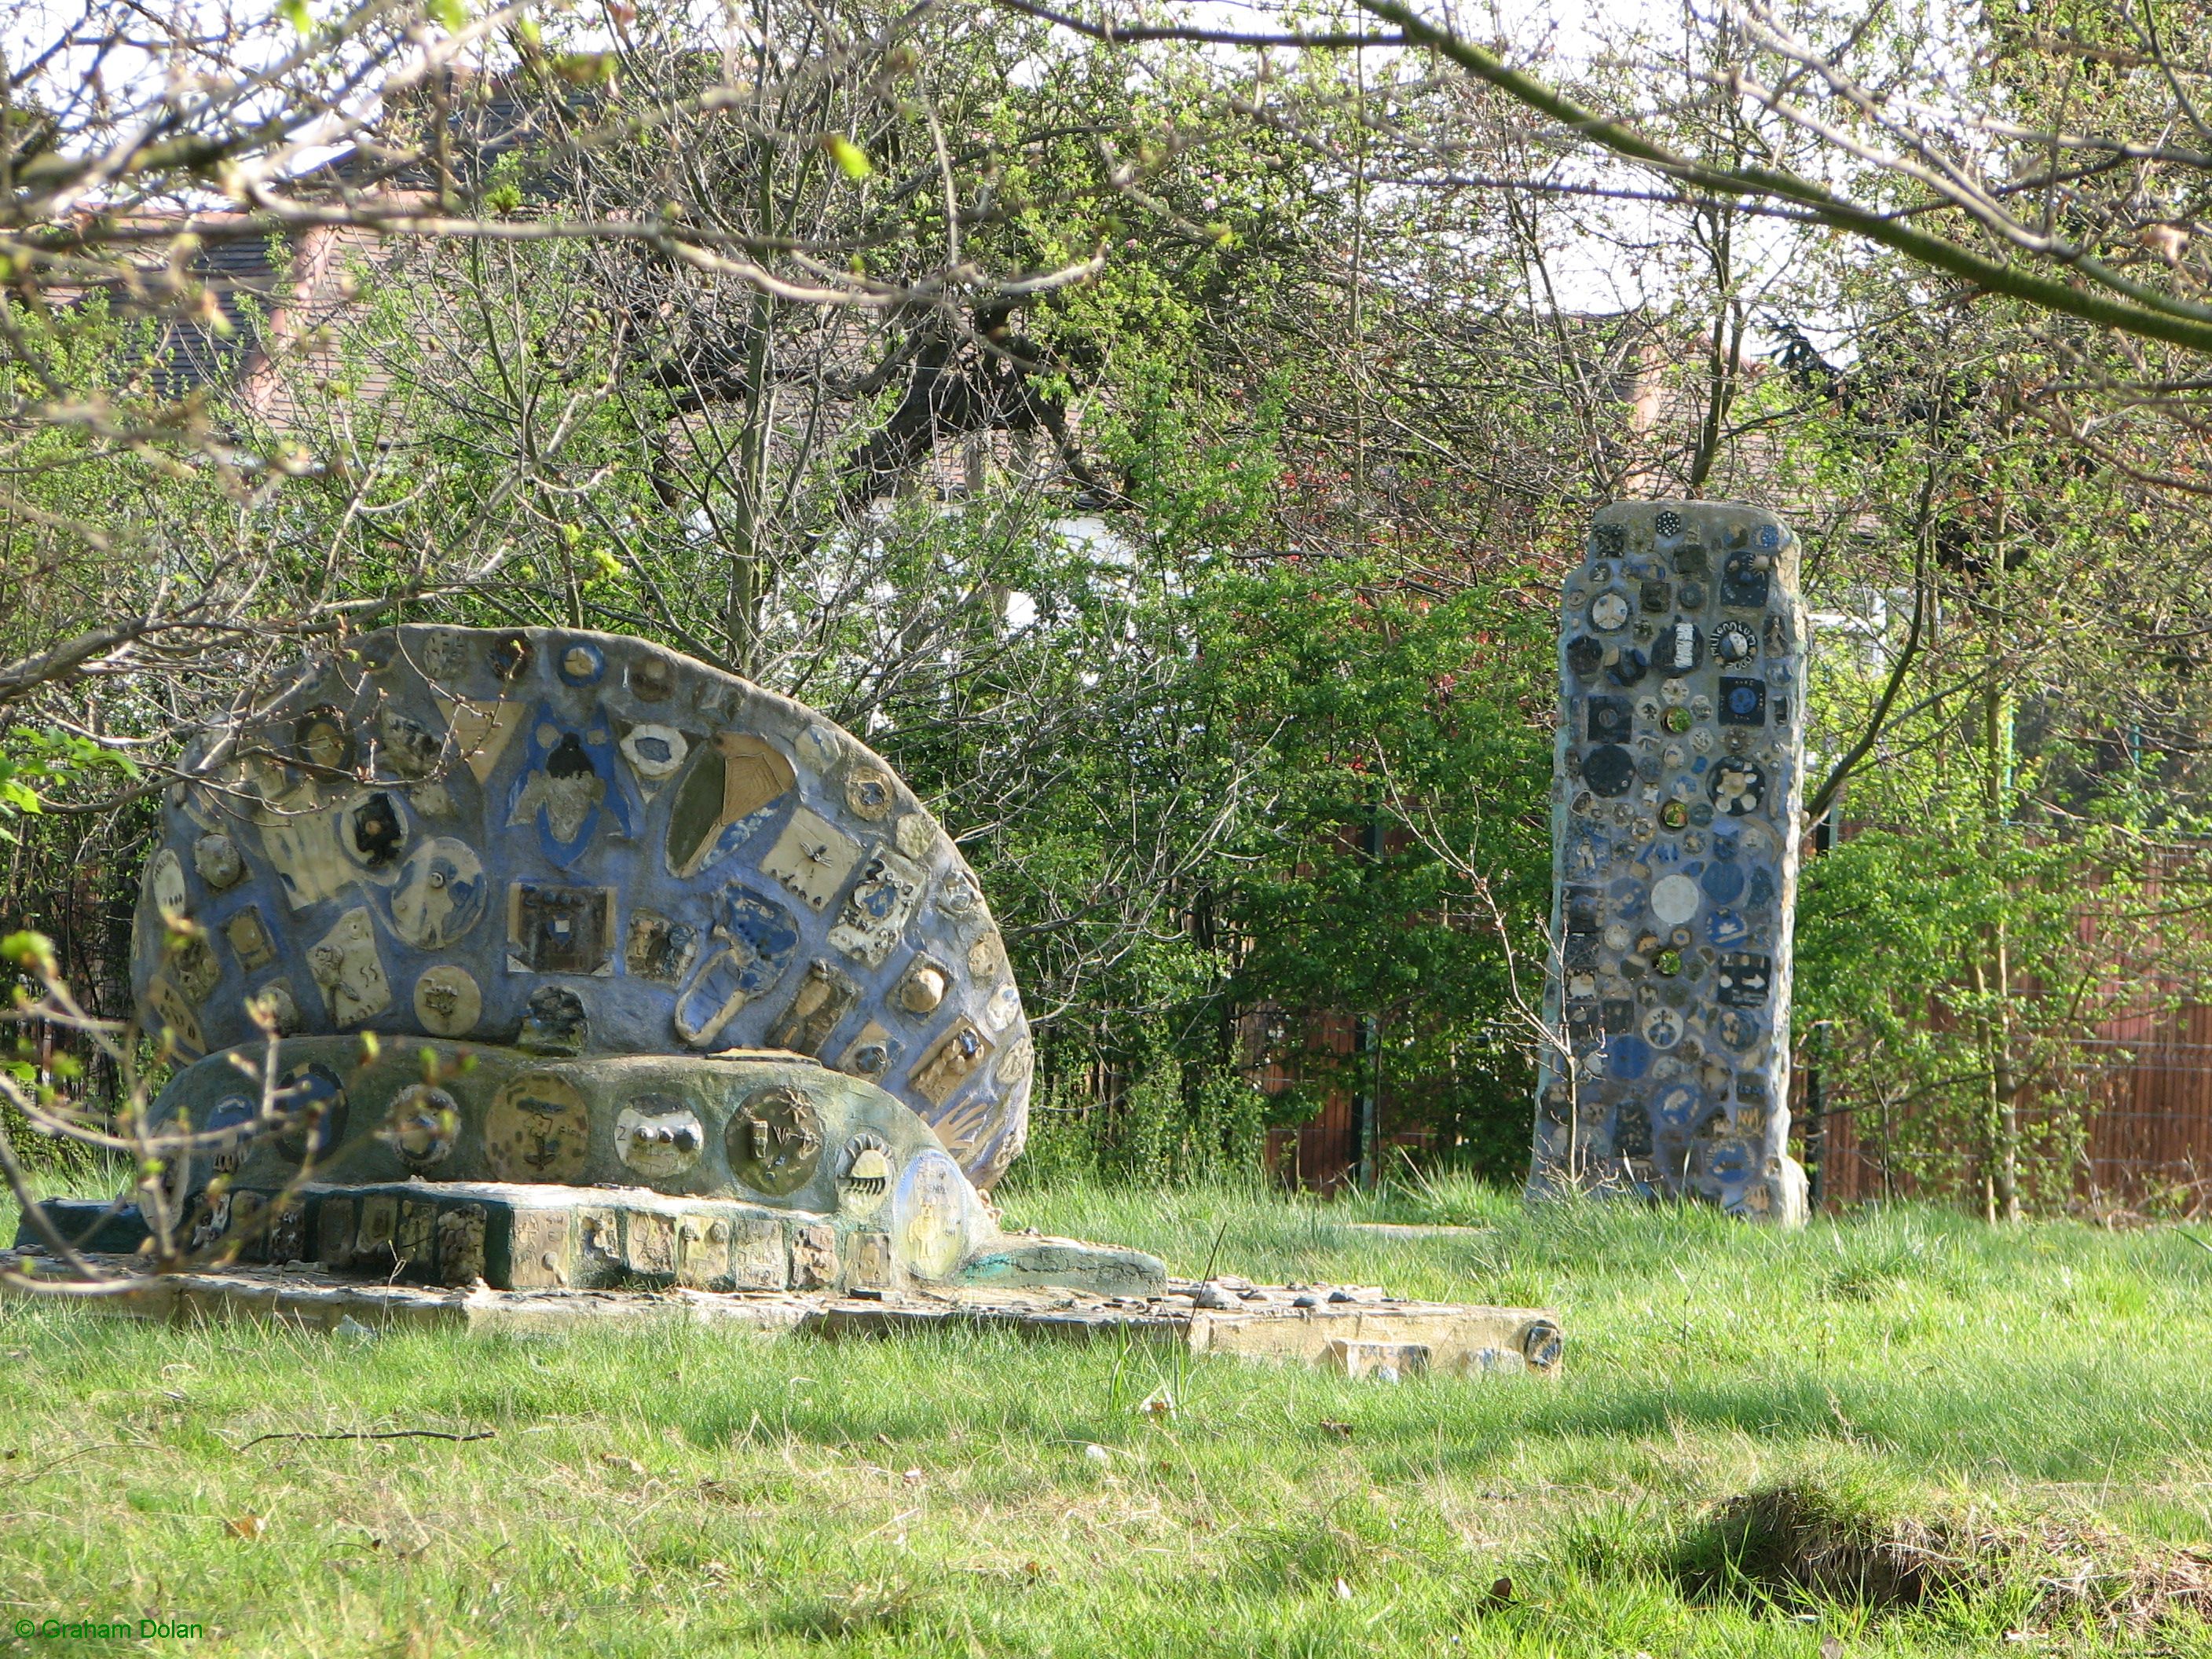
(1588, 274)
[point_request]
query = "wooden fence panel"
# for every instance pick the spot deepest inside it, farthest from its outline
(2149, 1141)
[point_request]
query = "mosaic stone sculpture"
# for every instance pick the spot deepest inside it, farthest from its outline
(665, 969)
(581, 843)
(1678, 785)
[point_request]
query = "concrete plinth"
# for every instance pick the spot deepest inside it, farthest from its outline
(1358, 1332)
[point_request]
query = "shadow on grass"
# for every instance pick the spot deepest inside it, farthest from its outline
(1857, 1539)
(857, 1613)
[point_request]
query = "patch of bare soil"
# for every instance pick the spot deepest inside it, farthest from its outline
(1792, 1539)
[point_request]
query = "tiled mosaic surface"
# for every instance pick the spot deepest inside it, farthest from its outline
(575, 844)
(1678, 784)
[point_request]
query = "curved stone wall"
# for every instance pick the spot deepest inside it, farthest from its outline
(577, 843)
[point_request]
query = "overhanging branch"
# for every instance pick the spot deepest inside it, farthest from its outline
(2177, 322)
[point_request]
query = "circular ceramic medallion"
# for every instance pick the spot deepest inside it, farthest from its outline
(1677, 1103)
(313, 1104)
(658, 1136)
(234, 1114)
(1627, 1056)
(1609, 769)
(1675, 899)
(1737, 788)
(583, 663)
(165, 884)
(447, 1002)
(422, 1125)
(774, 1141)
(320, 740)
(868, 792)
(934, 1215)
(1738, 1030)
(538, 1129)
(1735, 642)
(440, 894)
(1723, 881)
(1608, 611)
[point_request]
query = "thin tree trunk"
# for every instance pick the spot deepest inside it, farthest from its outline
(749, 512)
(1358, 300)
(1993, 980)
(2007, 1088)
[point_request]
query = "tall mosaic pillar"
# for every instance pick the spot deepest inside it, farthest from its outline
(1679, 778)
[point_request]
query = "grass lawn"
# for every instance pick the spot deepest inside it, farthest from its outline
(2025, 1417)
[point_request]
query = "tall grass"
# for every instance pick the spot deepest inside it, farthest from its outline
(693, 1491)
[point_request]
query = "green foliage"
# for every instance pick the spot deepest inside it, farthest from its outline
(1234, 684)
(1893, 930)
(31, 760)
(1171, 1122)
(2025, 861)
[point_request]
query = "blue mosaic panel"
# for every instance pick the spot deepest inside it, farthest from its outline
(1678, 780)
(576, 842)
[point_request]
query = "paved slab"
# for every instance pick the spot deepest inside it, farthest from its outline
(1415, 1229)
(1358, 1331)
